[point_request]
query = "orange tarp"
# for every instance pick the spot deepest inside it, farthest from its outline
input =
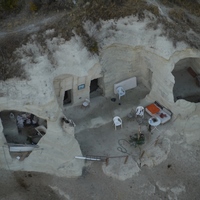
(153, 108)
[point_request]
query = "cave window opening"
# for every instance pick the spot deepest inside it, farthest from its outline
(67, 97)
(22, 132)
(95, 90)
(187, 80)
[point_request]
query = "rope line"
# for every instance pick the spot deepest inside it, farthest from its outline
(121, 148)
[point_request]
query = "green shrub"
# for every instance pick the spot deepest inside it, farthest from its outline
(178, 15)
(9, 70)
(9, 65)
(192, 6)
(8, 4)
(93, 48)
(33, 7)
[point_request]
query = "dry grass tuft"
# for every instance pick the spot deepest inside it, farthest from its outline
(182, 14)
(8, 4)
(97, 9)
(9, 67)
(105, 10)
(191, 6)
(153, 9)
(92, 10)
(177, 32)
(181, 22)
(33, 7)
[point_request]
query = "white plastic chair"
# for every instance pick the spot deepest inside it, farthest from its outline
(86, 103)
(121, 92)
(140, 111)
(117, 121)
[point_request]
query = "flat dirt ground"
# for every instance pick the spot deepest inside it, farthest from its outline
(176, 178)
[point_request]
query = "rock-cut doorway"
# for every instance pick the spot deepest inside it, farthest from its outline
(67, 97)
(95, 89)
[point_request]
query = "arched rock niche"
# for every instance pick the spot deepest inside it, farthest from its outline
(72, 90)
(21, 129)
(121, 62)
(155, 72)
(186, 84)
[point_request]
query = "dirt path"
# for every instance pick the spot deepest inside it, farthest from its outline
(175, 178)
(27, 26)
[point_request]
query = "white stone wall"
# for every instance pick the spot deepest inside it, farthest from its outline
(70, 82)
(130, 51)
(195, 62)
(120, 62)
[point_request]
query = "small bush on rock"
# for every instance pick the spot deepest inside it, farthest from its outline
(8, 4)
(9, 65)
(33, 7)
(10, 68)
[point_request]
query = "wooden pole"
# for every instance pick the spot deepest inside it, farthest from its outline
(126, 159)
(107, 160)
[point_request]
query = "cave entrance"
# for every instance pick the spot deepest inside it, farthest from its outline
(95, 90)
(187, 83)
(67, 97)
(22, 132)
